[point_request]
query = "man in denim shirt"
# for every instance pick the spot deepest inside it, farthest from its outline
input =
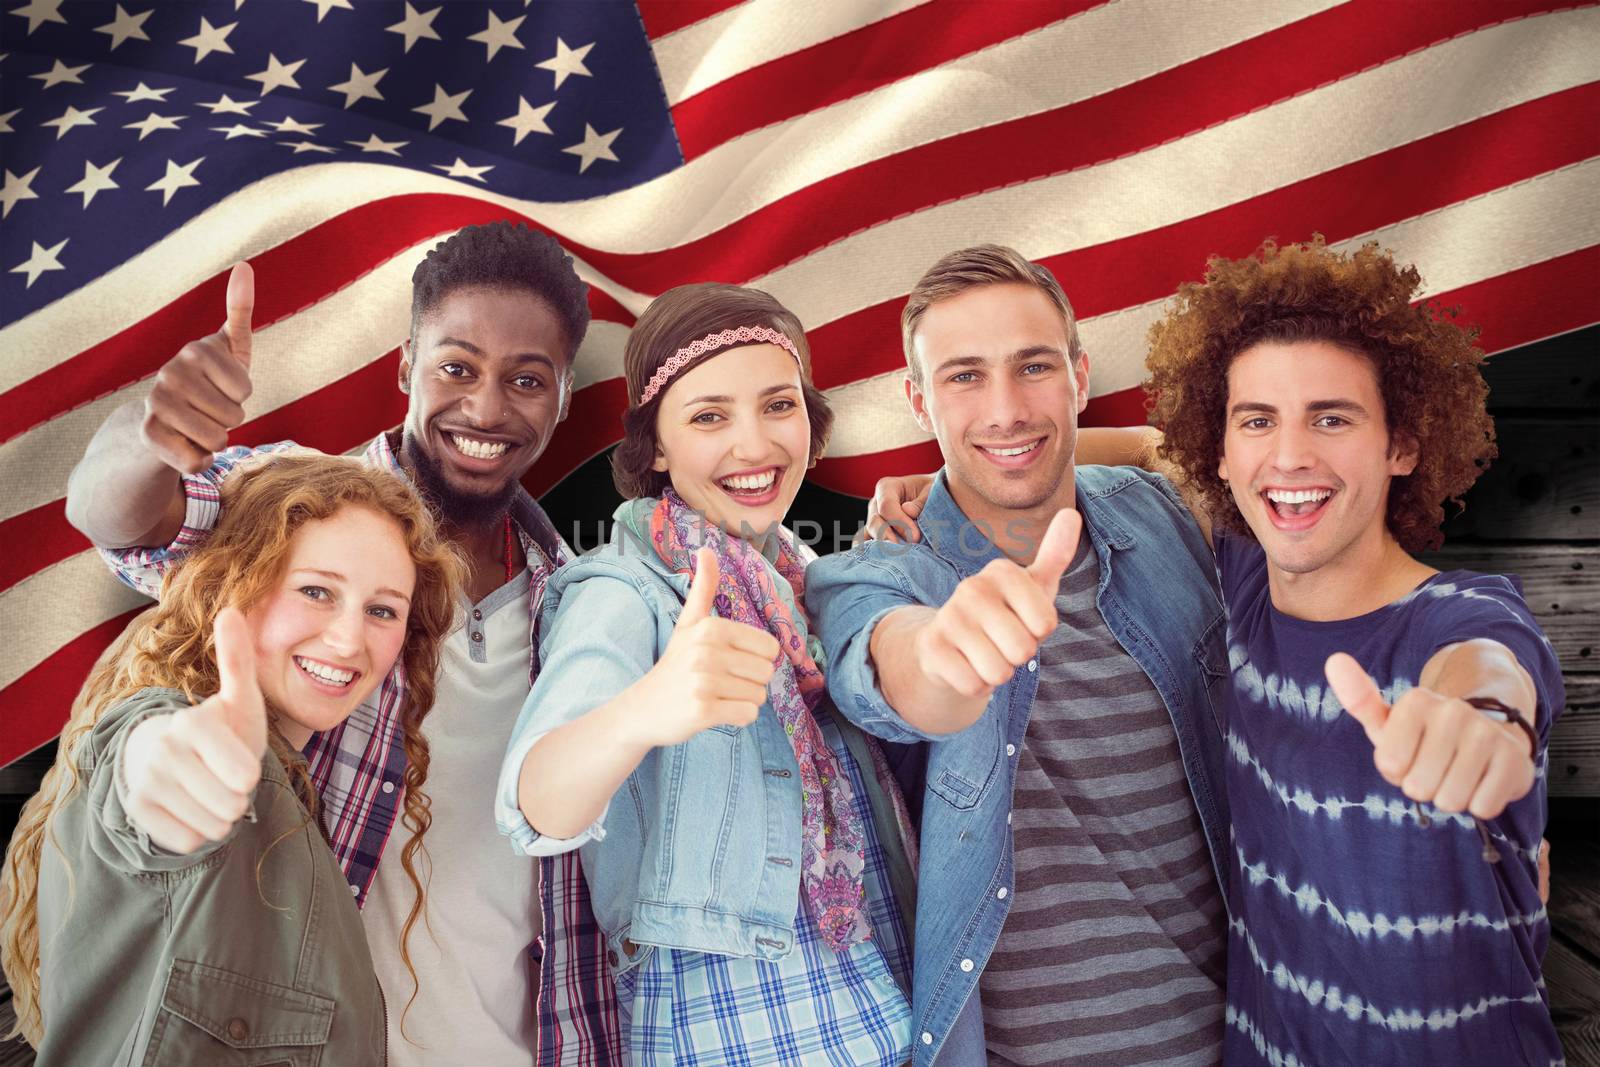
(1072, 815)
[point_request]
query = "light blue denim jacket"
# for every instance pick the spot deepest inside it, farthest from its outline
(1158, 595)
(699, 848)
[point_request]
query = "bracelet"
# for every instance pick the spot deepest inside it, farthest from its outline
(1496, 709)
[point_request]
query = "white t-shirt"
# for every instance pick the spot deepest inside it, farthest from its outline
(475, 1003)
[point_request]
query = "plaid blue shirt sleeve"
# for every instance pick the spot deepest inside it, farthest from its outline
(144, 567)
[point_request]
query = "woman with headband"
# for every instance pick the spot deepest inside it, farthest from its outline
(746, 848)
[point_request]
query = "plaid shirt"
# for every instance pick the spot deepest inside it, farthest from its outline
(359, 768)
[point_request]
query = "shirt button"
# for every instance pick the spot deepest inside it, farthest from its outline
(477, 613)
(355, 890)
(966, 965)
(238, 1029)
(1033, 665)
(1001, 892)
(477, 635)
(927, 1038)
(1008, 818)
(388, 787)
(1011, 750)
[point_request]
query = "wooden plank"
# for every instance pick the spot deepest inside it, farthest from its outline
(1575, 742)
(1561, 583)
(1544, 487)
(1575, 888)
(1556, 373)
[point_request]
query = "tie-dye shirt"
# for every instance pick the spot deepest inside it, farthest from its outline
(1364, 929)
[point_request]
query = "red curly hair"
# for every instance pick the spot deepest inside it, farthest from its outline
(1428, 369)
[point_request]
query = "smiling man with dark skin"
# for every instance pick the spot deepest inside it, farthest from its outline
(497, 316)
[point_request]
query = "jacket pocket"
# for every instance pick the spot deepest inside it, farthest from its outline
(967, 762)
(212, 1017)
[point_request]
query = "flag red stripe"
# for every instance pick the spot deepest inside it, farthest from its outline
(661, 17)
(36, 704)
(854, 63)
(1153, 111)
(289, 278)
(1528, 140)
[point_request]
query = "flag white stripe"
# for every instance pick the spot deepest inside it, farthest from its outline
(1456, 246)
(725, 45)
(743, 176)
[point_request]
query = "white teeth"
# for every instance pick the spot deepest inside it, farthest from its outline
(750, 482)
(324, 673)
(479, 449)
(1023, 450)
(1297, 496)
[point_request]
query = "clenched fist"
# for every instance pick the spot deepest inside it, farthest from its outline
(199, 394)
(190, 775)
(994, 621)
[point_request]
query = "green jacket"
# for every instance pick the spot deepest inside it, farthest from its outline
(234, 954)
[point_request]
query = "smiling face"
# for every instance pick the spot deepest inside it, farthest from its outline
(732, 435)
(488, 376)
(1307, 455)
(332, 627)
(1001, 395)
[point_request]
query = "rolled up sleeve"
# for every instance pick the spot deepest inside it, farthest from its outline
(601, 638)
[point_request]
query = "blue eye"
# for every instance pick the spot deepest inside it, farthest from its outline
(315, 592)
(383, 612)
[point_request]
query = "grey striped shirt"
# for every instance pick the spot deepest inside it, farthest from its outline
(1113, 950)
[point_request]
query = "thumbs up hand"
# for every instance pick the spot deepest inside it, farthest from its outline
(994, 621)
(714, 671)
(198, 395)
(1436, 749)
(190, 775)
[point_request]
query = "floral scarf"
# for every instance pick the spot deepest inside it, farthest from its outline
(832, 838)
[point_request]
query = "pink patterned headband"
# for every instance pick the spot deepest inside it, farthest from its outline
(739, 335)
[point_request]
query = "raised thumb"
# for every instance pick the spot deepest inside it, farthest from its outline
(703, 590)
(1056, 550)
(241, 306)
(239, 693)
(1357, 692)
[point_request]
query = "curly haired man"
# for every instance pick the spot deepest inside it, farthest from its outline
(1387, 730)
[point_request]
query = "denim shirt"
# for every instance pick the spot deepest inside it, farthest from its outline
(1159, 598)
(699, 848)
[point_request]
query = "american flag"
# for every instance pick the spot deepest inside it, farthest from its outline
(827, 152)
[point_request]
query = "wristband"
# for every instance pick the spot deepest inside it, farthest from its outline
(1503, 712)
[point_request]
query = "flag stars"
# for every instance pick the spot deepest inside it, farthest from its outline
(528, 119)
(277, 75)
(498, 34)
(16, 189)
(126, 27)
(374, 143)
(71, 118)
(229, 106)
(39, 12)
(238, 129)
(459, 169)
(143, 92)
(176, 178)
(153, 122)
(60, 74)
(325, 6)
(95, 180)
(360, 85)
(567, 61)
(5, 120)
(415, 26)
(289, 125)
(42, 259)
(593, 146)
(309, 146)
(445, 106)
(209, 39)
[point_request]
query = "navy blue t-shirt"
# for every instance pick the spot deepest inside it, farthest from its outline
(1360, 933)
